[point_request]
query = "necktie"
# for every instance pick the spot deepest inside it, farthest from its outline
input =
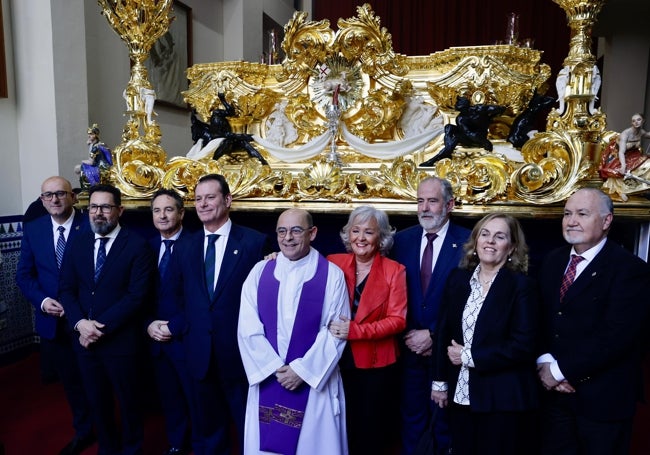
(427, 262)
(166, 257)
(101, 257)
(60, 246)
(210, 257)
(569, 275)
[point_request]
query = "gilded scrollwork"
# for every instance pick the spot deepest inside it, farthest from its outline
(378, 95)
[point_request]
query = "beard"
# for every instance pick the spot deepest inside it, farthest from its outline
(102, 226)
(432, 222)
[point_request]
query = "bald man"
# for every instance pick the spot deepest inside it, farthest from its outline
(44, 244)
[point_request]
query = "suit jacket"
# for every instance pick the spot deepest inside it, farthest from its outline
(212, 324)
(595, 333)
(167, 309)
(423, 309)
(37, 275)
(381, 315)
(504, 343)
(118, 298)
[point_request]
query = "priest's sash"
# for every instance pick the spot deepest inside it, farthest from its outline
(282, 411)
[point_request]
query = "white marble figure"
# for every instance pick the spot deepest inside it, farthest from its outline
(560, 85)
(148, 98)
(595, 86)
(279, 129)
(418, 117)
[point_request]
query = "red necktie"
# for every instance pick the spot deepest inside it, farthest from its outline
(569, 275)
(427, 262)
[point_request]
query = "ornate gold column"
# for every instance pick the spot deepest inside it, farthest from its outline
(567, 155)
(139, 159)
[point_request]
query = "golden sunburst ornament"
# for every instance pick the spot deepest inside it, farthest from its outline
(336, 72)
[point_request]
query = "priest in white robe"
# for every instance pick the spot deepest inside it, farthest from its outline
(286, 306)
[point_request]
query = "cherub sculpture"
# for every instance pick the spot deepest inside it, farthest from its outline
(524, 123)
(219, 127)
(470, 130)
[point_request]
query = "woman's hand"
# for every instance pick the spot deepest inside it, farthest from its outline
(271, 256)
(453, 352)
(340, 329)
(439, 398)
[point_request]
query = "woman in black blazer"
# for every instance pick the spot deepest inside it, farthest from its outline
(485, 363)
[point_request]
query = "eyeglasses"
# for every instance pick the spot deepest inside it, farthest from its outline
(48, 195)
(104, 208)
(296, 231)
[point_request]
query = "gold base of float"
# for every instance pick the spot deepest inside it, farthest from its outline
(374, 88)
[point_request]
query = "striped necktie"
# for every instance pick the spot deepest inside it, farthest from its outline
(60, 246)
(101, 257)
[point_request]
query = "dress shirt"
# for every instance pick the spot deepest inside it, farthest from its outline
(588, 256)
(111, 238)
(437, 243)
(161, 250)
(219, 246)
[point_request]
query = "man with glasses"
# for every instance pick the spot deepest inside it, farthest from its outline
(208, 274)
(106, 279)
(44, 243)
(296, 403)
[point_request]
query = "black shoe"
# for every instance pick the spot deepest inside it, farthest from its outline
(174, 451)
(78, 445)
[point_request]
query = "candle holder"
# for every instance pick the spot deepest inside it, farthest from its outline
(512, 29)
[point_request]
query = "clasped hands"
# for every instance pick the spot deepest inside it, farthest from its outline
(419, 341)
(288, 378)
(159, 331)
(549, 382)
(89, 331)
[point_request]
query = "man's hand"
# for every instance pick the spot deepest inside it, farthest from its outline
(419, 341)
(453, 352)
(159, 331)
(439, 398)
(544, 373)
(53, 308)
(89, 331)
(564, 387)
(288, 378)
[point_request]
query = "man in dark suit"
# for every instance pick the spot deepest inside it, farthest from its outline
(429, 252)
(595, 305)
(44, 243)
(106, 279)
(167, 322)
(208, 275)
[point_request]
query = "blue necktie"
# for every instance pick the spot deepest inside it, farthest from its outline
(210, 258)
(60, 246)
(166, 257)
(101, 257)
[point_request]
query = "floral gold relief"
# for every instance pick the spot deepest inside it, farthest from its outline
(347, 94)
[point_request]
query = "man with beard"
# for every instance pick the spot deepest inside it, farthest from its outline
(208, 275)
(429, 252)
(41, 253)
(106, 278)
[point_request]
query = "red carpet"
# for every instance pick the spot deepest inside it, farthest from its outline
(35, 420)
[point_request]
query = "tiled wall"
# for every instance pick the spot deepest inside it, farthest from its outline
(16, 315)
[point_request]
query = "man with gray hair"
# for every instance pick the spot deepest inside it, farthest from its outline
(594, 307)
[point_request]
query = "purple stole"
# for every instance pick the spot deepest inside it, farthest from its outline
(282, 411)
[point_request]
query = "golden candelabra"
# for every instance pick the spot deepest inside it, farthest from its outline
(139, 158)
(284, 107)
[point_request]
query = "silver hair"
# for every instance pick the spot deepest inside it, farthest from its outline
(363, 214)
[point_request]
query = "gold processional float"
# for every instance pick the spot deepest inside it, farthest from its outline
(344, 120)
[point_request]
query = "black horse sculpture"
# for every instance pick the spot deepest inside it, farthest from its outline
(470, 130)
(525, 122)
(219, 127)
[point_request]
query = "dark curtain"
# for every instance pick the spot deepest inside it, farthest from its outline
(421, 27)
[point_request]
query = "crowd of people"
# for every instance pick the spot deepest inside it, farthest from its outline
(257, 352)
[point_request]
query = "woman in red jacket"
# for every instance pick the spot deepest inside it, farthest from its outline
(377, 288)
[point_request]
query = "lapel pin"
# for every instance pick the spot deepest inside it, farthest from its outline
(593, 274)
(235, 252)
(454, 245)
